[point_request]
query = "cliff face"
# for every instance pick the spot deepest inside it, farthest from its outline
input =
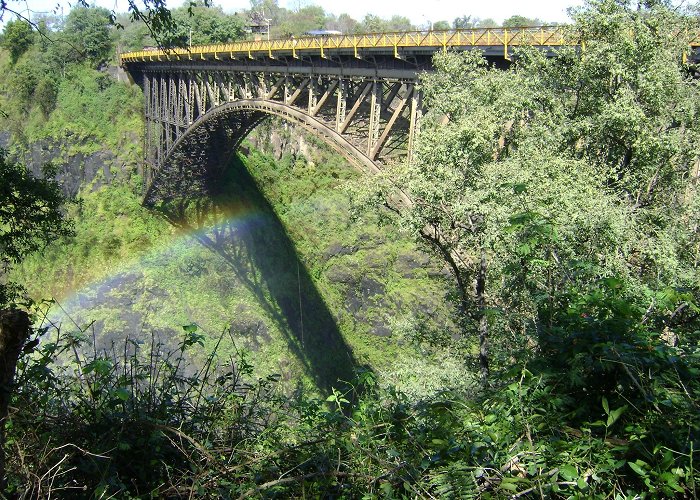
(278, 138)
(77, 170)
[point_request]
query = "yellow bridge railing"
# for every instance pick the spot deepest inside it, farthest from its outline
(543, 36)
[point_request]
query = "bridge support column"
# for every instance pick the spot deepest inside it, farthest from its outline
(147, 135)
(375, 110)
(414, 124)
(342, 104)
(313, 95)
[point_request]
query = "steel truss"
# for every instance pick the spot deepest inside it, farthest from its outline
(370, 120)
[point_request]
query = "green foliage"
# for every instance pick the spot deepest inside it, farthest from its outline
(23, 81)
(123, 253)
(132, 36)
(85, 105)
(205, 25)
(310, 17)
(375, 24)
(463, 22)
(561, 185)
(30, 215)
(467, 22)
(441, 25)
(51, 93)
(86, 35)
(18, 36)
(567, 177)
(139, 421)
(110, 226)
(559, 171)
(46, 94)
(343, 23)
(124, 413)
(521, 22)
(90, 104)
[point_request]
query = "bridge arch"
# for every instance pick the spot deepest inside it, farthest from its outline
(209, 142)
(369, 120)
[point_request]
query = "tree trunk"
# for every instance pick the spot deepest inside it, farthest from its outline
(453, 259)
(14, 332)
(483, 320)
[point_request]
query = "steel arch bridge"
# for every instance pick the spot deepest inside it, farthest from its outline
(357, 92)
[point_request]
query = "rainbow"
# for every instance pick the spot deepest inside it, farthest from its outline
(238, 218)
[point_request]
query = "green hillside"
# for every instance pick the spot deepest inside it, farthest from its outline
(285, 240)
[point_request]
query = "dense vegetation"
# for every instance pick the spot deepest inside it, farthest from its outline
(561, 194)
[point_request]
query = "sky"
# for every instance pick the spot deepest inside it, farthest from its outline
(420, 12)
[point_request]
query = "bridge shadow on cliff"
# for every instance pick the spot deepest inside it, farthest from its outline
(262, 257)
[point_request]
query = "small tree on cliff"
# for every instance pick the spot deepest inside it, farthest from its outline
(30, 216)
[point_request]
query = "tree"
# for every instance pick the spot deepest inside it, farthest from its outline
(441, 25)
(30, 215)
(467, 22)
(135, 35)
(18, 36)
(486, 23)
(343, 23)
(521, 22)
(87, 34)
(399, 23)
(463, 22)
(545, 178)
(23, 81)
(152, 13)
(372, 24)
(46, 93)
(305, 19)
(204, 25)
(268, 9)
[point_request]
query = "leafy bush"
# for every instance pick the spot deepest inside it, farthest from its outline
(86, 35)
(133, 419)
(137, 421)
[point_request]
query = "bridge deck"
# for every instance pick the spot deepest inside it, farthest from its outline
(485, 38)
